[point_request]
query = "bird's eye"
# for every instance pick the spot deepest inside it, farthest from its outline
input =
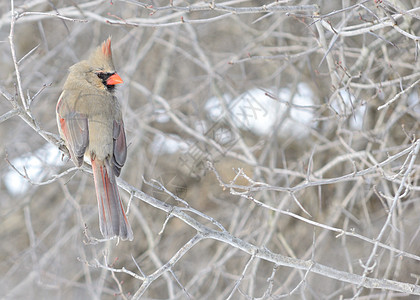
(104, 77)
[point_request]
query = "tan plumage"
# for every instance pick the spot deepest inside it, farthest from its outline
(90, 122)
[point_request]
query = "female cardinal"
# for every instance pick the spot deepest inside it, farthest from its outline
(90, 122)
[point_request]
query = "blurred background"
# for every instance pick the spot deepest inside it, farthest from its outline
(293, 125)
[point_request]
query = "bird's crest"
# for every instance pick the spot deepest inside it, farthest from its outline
(106, 47)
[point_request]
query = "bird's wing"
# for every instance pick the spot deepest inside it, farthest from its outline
(120, 147)
(74, 128)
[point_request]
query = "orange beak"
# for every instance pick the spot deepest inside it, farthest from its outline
(114, 79)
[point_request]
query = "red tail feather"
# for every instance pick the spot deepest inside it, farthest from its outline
(112, 219)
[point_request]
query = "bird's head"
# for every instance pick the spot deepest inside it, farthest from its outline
(103, 67)
(98, 70)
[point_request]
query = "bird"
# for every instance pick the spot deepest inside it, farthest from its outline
(90, 122)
